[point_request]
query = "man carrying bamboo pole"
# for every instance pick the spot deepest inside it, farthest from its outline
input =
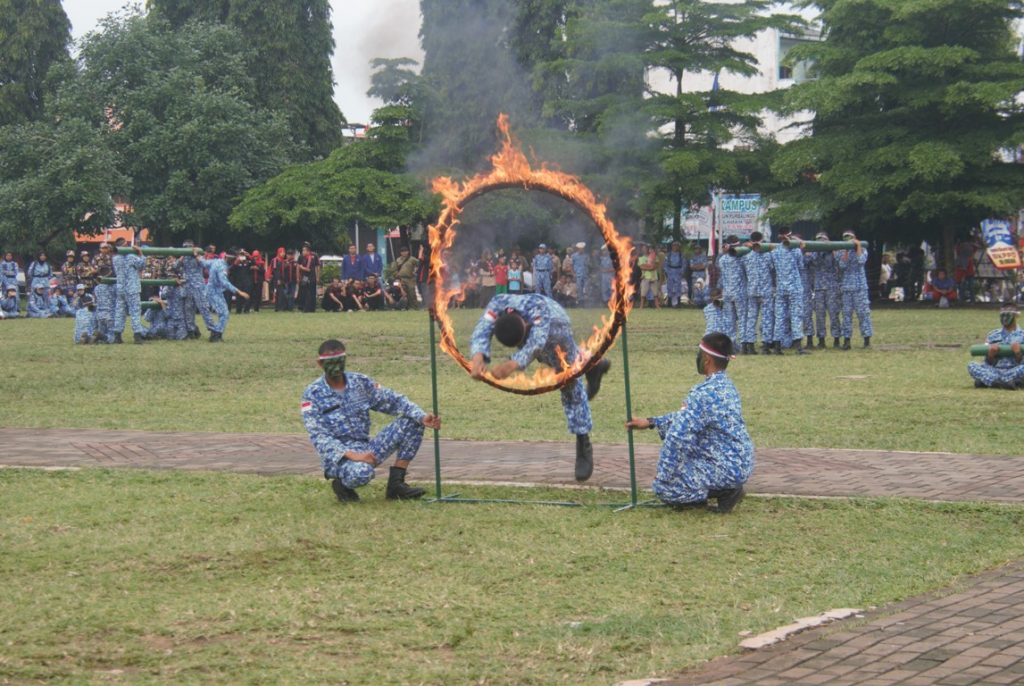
(127, 291)
(1001, 371)
(853, 283)
(706, 450)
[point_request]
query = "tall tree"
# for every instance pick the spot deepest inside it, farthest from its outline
(291, 44)
(470, 63)
(182, 115)
(913, 102)
(688, 38)
(34, 34)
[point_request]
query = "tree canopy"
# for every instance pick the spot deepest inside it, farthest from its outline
(34, 35)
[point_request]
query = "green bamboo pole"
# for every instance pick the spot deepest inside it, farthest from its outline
(150, 305)
(433, 388)
(147, 250)
(809, 246)
(145, 282)
(981, 350)
(629, 417)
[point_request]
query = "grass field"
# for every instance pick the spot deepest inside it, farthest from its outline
(130, 577)
(911, 392)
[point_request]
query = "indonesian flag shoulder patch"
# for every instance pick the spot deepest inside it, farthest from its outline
(306, 406)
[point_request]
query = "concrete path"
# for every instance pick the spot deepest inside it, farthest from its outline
(971, 636)
(803, 472)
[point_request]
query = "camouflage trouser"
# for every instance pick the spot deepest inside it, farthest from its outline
(402, 436)
(127, 304)
(827, 300)
(194, 300)
(763, 306)
(990, 375)
(696, 476)
(219, 306)
(105, 302)
(856, 301)
(789, 317)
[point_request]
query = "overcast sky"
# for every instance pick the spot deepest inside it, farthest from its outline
(363, 29)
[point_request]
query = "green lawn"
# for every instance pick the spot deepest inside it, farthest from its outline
(911, 392)
(136, 577)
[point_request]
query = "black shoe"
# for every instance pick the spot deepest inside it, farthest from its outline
(810, 342)
(139, 339)
(821, 343)
(835, 343)
(194, 335)
(398, 489)
(778, 347)
(753, 349)
(978, 384)
(727, 499)
(799, 347)
(867, 341)
(117, 338)
(1005, 385)
(594, 377)
(344, 493)
(766, 348)
(584, 457)
(216, 337)
(846, 344)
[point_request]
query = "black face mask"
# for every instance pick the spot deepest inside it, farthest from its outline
(700, 362)
(1006, 319)
(334, 368)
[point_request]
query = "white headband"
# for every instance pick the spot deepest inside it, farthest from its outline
(332, 356)
(714, 353)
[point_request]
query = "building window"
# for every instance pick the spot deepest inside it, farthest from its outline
(785, 72)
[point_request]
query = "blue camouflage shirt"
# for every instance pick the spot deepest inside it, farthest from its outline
(732, 279)
(714, 319)
(550, 328)
(788, 263)
(193, 272)
(710, 429)
(1004, 337)
(580, 264)
(758, 268)
(85, 323)
(338, 422)
(824, 272)
(851, 269)
(126, 270)
(543, 263)
(218, 281)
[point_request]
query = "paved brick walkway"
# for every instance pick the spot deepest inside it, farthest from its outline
(974, 636)
(805, 472)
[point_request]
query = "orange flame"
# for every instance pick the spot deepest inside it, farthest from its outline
(511, 169)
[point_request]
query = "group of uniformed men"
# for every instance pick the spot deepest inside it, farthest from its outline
(790, 292)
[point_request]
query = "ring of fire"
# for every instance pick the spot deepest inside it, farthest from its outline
(511, 169)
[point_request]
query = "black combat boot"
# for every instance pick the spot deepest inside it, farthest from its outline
(753, 349)
(798, 346)
(594, 377)
(728, 499)
(835, 343)
(867, 341)
(810, 342)
(846, 344)
(139, 339)
(821, 342)
(343, 492)
(216, 337)
(117, 338)
(778, 347)
(766, 348)
(398, 489)
(584, 457)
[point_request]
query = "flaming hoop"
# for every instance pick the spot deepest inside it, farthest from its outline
(511, 169)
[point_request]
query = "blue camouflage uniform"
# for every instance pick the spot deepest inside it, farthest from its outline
(542, 268)
(177, 326)
(159, 322)
(215, 287)
(825, 298)
(607, 276)
(807, 305)
(550, 329)
(733, 282)
(85, 324)
(338, 422)
(789, 294)
(758, 268)
(8, 276)
(714, 319)
(38, 307)
(39, 274)
(706, 444)
(59, 305)
(1006, 370)
(853, 284)
(127, 292)
(581, 268)
(10, 306)
(194, 294)
(698, 267)
(675, 268)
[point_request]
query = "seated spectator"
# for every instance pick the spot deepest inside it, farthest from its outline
(394, 296)
(59, 305)
(357, 291)
(565, 290)
(373, 295)
(38, 308)
(941, 289)
(700, 296)
(9, 305)
(76, 301)
(333, 296)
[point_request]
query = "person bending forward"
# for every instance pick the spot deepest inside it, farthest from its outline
(336, 412)
(707, 452)
(539, 328)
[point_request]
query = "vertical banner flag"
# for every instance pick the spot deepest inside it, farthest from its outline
(739, 215)
(999, 240)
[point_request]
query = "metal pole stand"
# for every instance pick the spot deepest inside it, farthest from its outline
(633, 501)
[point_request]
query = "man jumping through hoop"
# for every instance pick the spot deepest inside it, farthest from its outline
(539, 328)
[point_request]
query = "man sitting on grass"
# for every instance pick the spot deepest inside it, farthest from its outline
(336, 411)
(1001, 371)
(707, 452)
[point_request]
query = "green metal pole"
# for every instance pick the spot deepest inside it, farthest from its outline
(629, 416)
(174, 252)
(433, 388)
(981, 350)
